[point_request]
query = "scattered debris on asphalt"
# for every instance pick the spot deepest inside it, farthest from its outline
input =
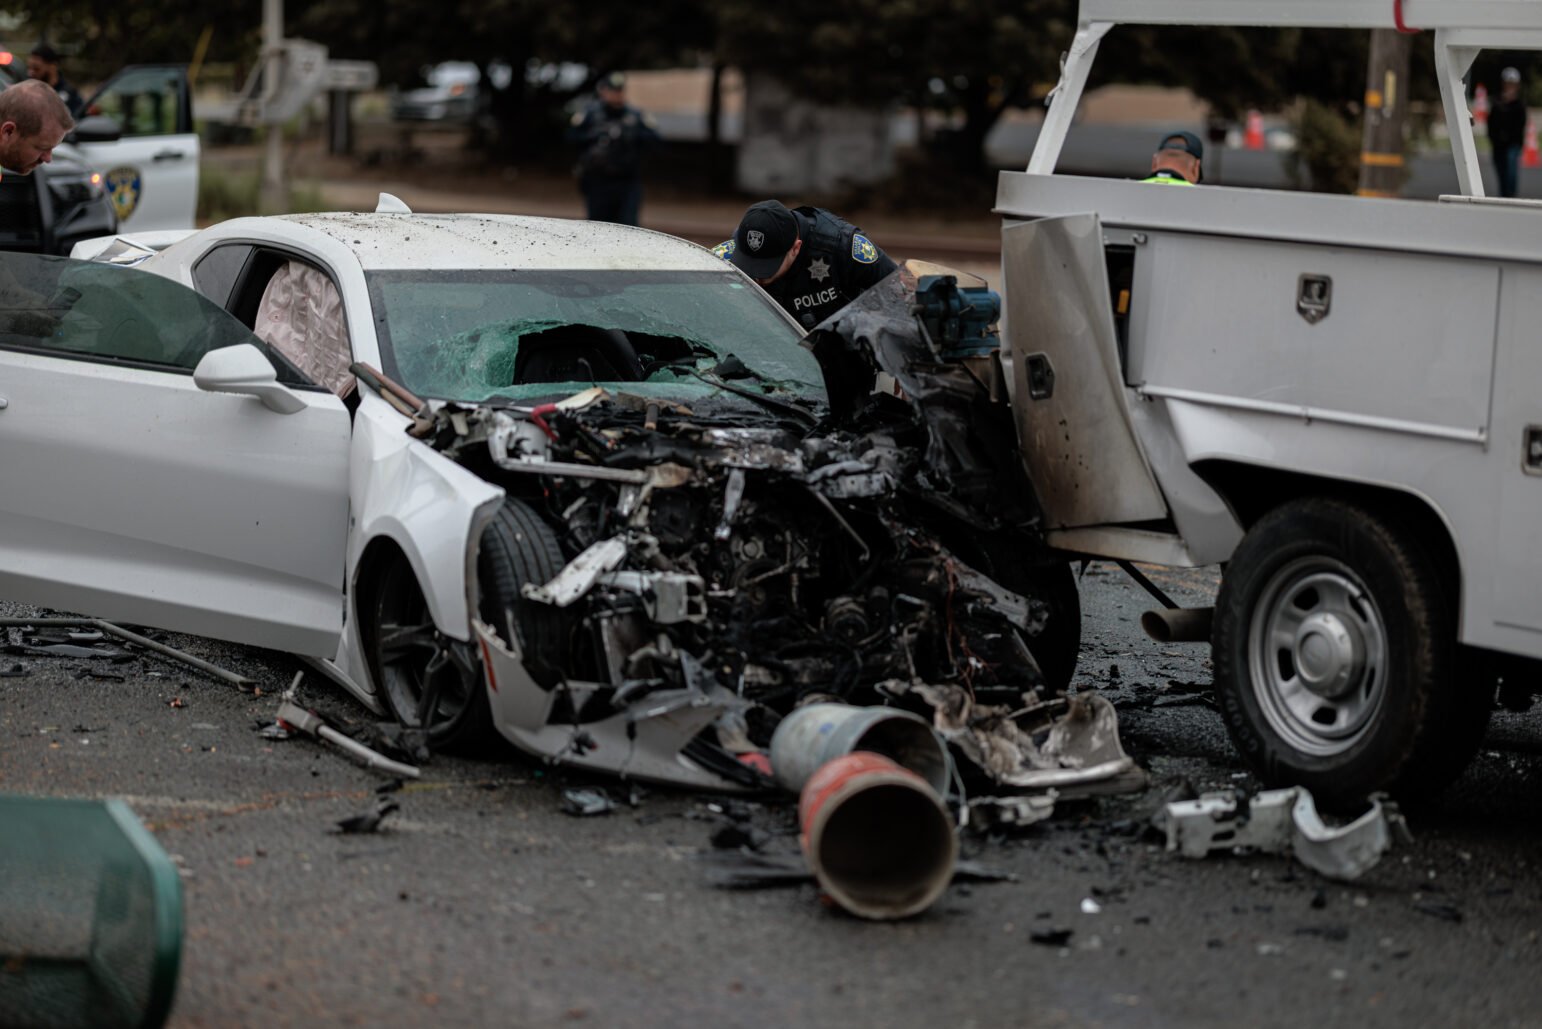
(752, 870)
(1050, 937)
(14, 672)
(292, 716)
(369, 821)
(736, 835)
(1282, 821)
(400, 742)
(41, 649)
(1438, 909)
(1080, 756)
(989, 814)
(74, 649)
(586, 803)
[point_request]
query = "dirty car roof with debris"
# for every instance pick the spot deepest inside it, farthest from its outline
(499, 241)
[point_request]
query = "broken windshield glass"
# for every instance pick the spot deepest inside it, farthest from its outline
(474, 335)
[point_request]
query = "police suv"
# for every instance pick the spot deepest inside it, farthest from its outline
(132, 161)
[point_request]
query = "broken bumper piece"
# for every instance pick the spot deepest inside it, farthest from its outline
(1282, 822)
(1079, 756)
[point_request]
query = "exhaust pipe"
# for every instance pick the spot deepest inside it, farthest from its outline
(1178, 624)
(876, 836)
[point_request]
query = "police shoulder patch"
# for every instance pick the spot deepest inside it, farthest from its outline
(578, 117)
(725, 249)
(862, 249)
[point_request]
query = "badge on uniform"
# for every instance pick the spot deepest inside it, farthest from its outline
(862, 250)
(725, 249)
(124, 188)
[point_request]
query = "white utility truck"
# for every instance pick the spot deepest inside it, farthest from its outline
(1339, 399)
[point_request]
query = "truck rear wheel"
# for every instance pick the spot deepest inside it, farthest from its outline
(1335, 650)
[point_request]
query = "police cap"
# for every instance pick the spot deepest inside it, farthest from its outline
(1185, 141)
(765, 234)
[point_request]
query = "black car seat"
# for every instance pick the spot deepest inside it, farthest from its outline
(577, 353)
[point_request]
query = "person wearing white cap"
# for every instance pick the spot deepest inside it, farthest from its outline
(1507, 131)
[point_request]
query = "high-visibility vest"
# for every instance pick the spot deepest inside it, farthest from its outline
(1165, 178)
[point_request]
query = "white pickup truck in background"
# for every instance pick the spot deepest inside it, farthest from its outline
(1339, 399)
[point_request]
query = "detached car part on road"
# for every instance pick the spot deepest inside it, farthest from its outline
(629, 529)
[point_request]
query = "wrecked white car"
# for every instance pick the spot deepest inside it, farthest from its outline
(571, 484)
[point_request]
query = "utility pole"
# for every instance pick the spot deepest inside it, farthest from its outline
(275, 184)
(1386, 104)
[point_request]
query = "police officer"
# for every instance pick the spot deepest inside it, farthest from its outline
(810, 261)
(1177, 160)
(613, 136)
(33, 120)
(43, 64)
(1507, 131)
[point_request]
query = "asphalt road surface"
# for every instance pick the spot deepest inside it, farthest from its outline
(480, 903)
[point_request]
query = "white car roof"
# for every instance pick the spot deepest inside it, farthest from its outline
(504, 241)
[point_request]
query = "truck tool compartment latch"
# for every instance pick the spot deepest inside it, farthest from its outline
(1041, 377)
(1532, 463)
(1314, 296)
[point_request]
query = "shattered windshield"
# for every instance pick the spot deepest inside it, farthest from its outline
(475, 335)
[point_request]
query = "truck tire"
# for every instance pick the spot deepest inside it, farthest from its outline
(1335, 657)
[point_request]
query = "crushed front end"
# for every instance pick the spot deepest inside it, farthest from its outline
(726, 561)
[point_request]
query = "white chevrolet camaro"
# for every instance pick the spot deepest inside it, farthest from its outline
(570, 484)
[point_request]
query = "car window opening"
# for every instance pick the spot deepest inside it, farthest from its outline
(301, 317)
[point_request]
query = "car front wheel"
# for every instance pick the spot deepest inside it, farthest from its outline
(1335, 649)
(433, 682)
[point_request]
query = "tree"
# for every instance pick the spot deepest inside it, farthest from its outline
(527, 36)
(972, 57)
(102, 36)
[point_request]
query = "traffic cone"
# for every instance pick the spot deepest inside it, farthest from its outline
(1253, 138)
(1480, 105)
(1530, 157)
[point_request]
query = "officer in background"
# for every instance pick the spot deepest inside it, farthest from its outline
(612, 136)
(1507, 131)
(1177, 160)
(808, 260)
(43, 65)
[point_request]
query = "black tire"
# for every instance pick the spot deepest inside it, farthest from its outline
(1059, 646)
(430, 681)
(518, 548)
(1335, 656)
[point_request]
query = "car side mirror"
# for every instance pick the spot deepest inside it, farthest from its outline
(95, 128)
(243, 369)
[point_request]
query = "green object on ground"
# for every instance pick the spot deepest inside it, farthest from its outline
(90, 916)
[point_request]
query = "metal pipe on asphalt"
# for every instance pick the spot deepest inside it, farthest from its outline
(132, 637)
(811, 737)
(1179, 624)
(876, 836)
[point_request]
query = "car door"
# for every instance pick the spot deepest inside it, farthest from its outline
(151, 171)
(132, 493)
